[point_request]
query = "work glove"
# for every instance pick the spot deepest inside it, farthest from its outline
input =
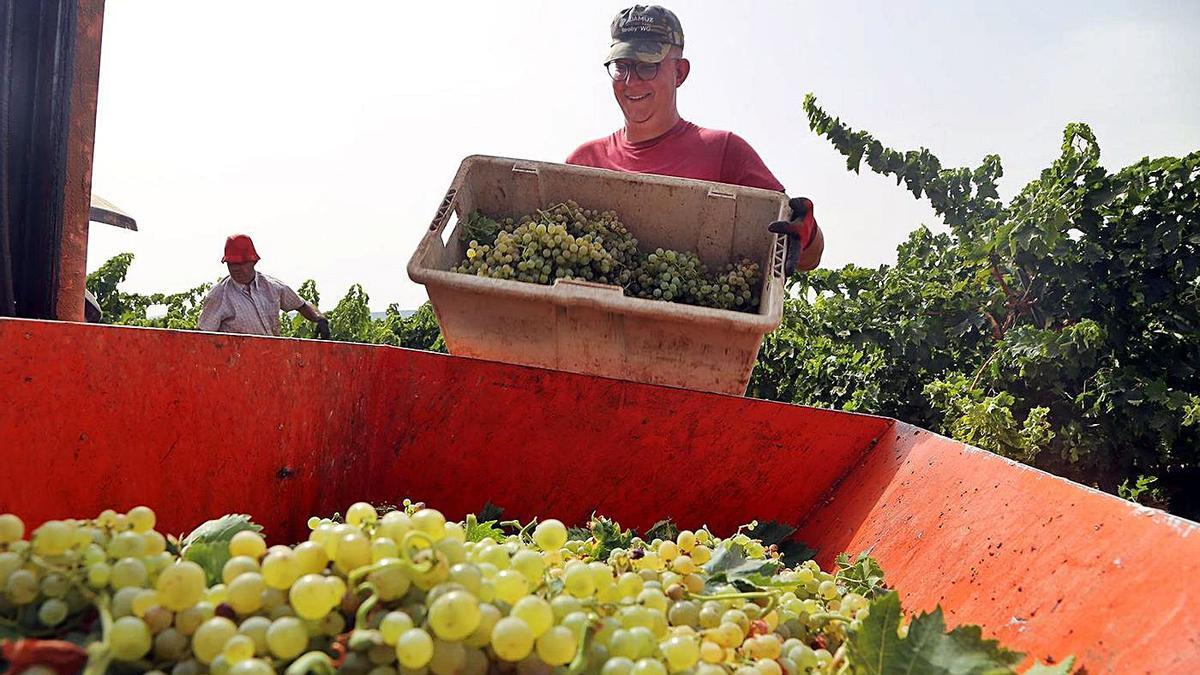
(800, 231)
(323, 329)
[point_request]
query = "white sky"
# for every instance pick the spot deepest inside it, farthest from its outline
(330, 131)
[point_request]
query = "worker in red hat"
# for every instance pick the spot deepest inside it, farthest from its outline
(248, 301)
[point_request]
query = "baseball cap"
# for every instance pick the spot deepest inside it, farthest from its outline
(644, 33)
(239, 249)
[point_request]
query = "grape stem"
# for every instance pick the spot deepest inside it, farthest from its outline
(99, 653)
(360, 617)
(840, 660)
(406, 559)
(828, 616)
(312, 663)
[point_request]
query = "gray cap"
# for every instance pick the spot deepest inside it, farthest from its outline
(644, 33)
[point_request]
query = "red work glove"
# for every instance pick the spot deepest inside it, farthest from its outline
(800, 231)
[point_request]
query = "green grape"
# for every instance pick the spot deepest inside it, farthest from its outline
(55, 585)
(188, 620)
(394, 525)
(309, 596)
(255, 628)
(129, 639)
(238, 648)
(469, 576)
(414, 648)
(510, 586)
(170, 645)
(21, 587)
(392, 625)
(246, 593)
(252, 667)
(617, 665)
(127, 545)
(456, 614)
(353, 551)
(237, 566)
(383, 548)
(361, 513)
(141, 518)
(648, 666)
(556, 646)
(578, 582)
(489, 616)
(391, 582)
(52, 612)
(448, 658)
(179, 586)
(53, 538)
(536, 613)
(11, 528)
(550, 535)
(287, 638)
(247, 543)
(311, 557)
(681, 653)
(512, 640)
(210, 638)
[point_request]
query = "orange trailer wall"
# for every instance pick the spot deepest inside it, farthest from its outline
(197, 425)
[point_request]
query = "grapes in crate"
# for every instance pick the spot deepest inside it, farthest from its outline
(565, 241)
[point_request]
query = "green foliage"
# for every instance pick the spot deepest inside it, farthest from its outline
(1059, 329)
(208, 544)
(876, 648)
(862, 575)
(129, 309)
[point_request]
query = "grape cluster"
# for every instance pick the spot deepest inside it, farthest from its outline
(409, 592)
(566, 241)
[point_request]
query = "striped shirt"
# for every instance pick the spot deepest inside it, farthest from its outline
(233, 308)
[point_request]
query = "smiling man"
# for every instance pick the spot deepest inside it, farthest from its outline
(647, 67)
(248, 301)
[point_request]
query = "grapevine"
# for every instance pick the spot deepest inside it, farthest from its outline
(408, 591)
(566, 241)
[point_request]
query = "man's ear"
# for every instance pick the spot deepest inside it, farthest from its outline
(682, 68)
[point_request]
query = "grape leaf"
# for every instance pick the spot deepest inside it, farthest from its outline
(208, 544)
(773, 532)
(1063, 667)
(864, 576)
(730, 564)
(480, 228)
(663, 529)
(478, 531)
(490, 512)
(875, 648)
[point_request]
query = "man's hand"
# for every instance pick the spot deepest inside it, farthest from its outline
(323, 329)
(800, 231)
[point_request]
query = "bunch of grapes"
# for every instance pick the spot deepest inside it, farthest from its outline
(409, 592)
(566, 241)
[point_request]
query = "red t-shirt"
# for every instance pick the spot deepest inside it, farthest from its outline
(686, 151)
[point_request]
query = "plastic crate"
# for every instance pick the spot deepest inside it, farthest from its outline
(592, 328)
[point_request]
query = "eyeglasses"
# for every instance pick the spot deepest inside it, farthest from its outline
(619, 70)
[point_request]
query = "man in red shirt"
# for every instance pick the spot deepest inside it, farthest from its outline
(647, 67)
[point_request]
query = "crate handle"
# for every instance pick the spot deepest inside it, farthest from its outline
(443, 212)
(778, 253)
(517, 168)
(721, 194)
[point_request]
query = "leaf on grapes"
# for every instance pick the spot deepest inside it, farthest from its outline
(795, 552)
(663, 529)
(490, 512)
(478, 531)
(607, 535)
(208, 545)
(875, 648)
(480, 228)
(864, 576)
(1063, 667)
(730, 564)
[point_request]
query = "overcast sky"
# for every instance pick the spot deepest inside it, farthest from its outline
(330, 131)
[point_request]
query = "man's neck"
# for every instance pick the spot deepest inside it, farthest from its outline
(638, 133)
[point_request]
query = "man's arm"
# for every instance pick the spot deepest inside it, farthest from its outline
(309, 312)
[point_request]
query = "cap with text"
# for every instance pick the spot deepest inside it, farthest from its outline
(644, 33)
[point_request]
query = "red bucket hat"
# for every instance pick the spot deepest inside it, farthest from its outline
(239, 249)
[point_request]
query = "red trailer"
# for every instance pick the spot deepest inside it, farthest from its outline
(198, 425)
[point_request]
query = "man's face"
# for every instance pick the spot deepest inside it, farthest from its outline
(641, 100)
(243, 273)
